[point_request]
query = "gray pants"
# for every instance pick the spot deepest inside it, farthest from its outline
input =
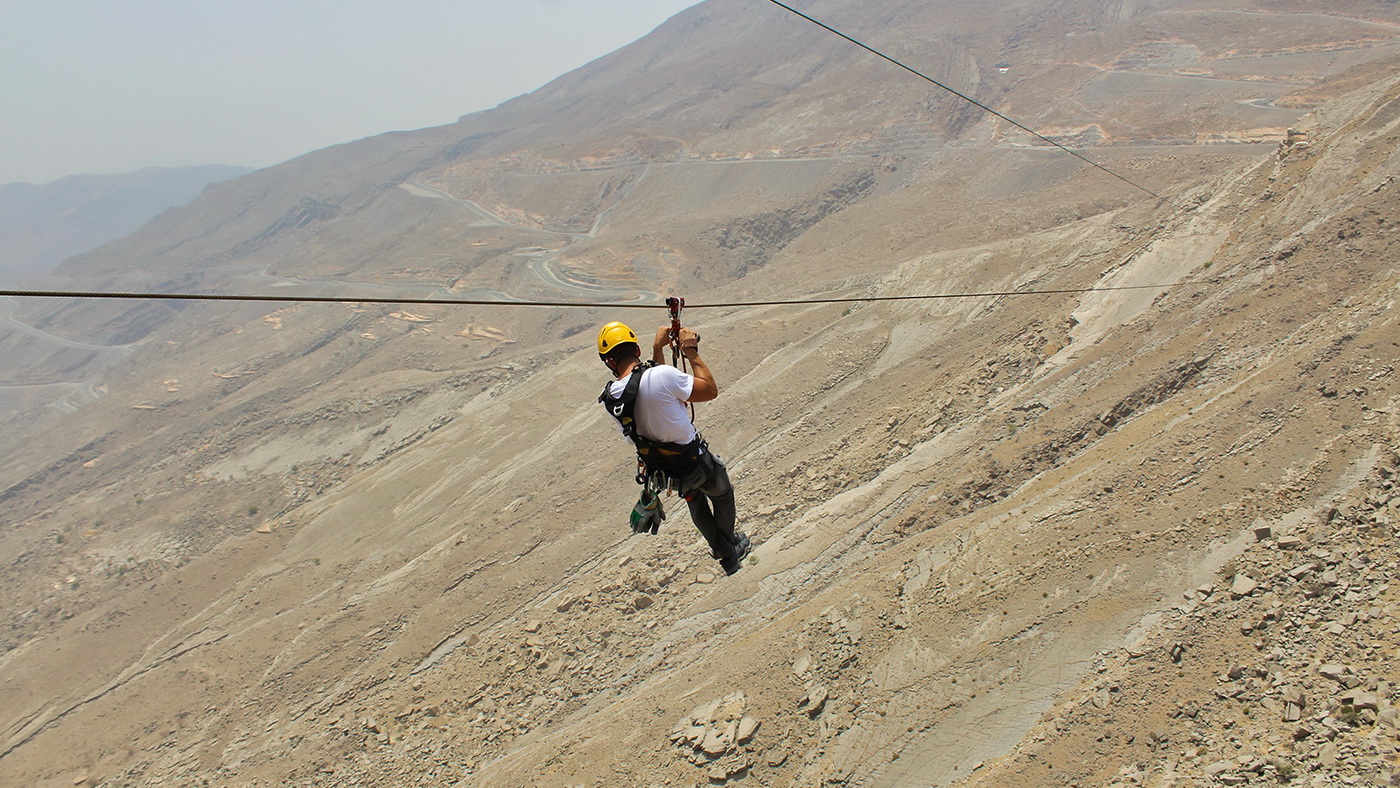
(710, 496)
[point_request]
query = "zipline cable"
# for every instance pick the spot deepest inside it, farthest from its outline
(977, 104)
(933, 296)
(616, 305)
(557, 304)
(308, 299)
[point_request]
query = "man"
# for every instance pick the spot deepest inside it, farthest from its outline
(649, 401)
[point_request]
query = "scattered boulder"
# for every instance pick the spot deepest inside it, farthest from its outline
(1242, 585)
(1294, 701)
(815, 701)
(1337, 673)
(748, 726)
(714, 736)
(716, 742)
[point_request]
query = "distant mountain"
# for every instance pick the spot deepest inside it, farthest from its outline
(42, 225)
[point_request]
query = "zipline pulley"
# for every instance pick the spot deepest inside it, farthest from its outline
(675, 305)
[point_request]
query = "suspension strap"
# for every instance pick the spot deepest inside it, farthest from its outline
(675, 305)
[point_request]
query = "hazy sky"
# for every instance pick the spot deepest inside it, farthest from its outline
(106, 86)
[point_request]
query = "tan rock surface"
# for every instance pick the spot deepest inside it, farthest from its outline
(997, 537)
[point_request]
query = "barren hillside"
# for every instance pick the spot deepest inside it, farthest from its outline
(1060, 539)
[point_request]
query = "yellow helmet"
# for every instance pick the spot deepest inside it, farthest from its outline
(612, 335)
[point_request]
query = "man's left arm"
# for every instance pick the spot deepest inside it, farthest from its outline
(704, 387)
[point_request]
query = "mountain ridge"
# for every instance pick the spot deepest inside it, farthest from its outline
(350, 545)
(45, 224)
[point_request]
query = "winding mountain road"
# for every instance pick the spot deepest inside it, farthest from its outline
(7, 317)
(85, 391)
(541, 258)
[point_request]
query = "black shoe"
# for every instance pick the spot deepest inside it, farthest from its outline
(741, 548)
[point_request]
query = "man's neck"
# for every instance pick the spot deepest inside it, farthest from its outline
(625, 368)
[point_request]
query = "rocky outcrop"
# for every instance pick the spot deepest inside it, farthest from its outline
(1280, 670)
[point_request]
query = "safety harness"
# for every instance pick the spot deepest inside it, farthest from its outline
(674, 460)
(660, 466)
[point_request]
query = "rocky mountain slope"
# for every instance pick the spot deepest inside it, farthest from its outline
(42, 225)
(1070, 538)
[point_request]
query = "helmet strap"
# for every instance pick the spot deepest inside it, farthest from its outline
(616, 363)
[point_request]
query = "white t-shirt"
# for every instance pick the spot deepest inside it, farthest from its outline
(661, 410)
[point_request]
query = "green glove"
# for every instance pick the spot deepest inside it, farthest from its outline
(647, 514)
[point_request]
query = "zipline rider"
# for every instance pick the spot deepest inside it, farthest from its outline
(649, 401)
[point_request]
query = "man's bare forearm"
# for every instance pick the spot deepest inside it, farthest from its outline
(700, 369)
(658, 345)
(704, 388)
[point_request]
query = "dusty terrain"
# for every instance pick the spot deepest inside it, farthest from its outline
(1137, 536)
